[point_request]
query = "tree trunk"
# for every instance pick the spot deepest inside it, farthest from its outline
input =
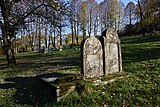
(9, 52)
(90, 24)
(32, 40)
(141, 17)
(46, 47)
(130, 17)
(72, 32)
(119, 18)
(39, 36)
(75, 32)
(7, 47)
(54, 42)
(60, 33)
(36, 37)
(49, 41)
(84, 32)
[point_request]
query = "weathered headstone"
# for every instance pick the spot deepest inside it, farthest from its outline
(60, 47)
(112, 51)
(92, 58)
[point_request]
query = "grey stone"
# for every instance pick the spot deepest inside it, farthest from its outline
(54, 82)
(66, 47)
(92, 58)
(112, 51)
(60, 47)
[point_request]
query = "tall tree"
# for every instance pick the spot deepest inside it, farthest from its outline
(39, 34)
(108, 14)
(14, 14)
(120, 15)
(83, 18)
(96, 19)
(130, 12)
(76, 17)
(91, 8)
(46, 29)
(71, 18)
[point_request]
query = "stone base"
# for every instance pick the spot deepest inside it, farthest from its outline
(61, 84)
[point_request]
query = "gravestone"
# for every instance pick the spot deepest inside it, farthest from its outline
(60, 47)
(92, 58)
(112, 51)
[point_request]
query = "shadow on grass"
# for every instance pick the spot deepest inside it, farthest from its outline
(140, 39)
(3, 66)
(33, 91)
(30, 91)
(63, 64)
(37, 61)
(137, 55)
(43, 64)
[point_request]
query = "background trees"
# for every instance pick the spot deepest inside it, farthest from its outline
(29, 25)
(83, 18)
(129, 16)
(14, 16)
(142, 17)
(129, 12)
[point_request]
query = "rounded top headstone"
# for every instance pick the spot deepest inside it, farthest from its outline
(111, 35)
(92, 45)
(92, 58)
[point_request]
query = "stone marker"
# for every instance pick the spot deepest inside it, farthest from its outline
(92, 58)
(53, 82)
(60, 47)
(112, 51)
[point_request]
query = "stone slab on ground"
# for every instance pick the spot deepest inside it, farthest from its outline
(61, 84)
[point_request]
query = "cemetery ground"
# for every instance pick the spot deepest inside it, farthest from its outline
(139, 85)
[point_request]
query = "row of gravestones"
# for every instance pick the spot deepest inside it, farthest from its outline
(101, 57)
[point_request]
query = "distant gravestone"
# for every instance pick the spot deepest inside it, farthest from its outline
(112, 51)
(92, 58)
(60, 47)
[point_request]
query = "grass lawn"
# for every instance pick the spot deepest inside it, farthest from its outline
(140, 85)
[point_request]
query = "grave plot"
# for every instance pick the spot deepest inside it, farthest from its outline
(61, 84)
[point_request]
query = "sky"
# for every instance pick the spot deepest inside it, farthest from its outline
(124, 1)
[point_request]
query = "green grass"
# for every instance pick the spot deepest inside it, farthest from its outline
(139, 86)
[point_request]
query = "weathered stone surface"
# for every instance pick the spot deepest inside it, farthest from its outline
(112, 51)
(61, 85)
(92, 58)
(60, 47)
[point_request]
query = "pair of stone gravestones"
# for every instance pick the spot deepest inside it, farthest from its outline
(102, 57)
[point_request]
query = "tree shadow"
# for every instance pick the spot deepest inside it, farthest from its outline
(45, 65)
(137, 55)
(63, 64)
(139, 39)
(131, 53)
(32, 91)
(41, 62)
(3, 66)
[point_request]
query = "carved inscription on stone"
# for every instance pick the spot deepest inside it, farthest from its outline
(92, 58)
(112, 51)
(113, 58)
